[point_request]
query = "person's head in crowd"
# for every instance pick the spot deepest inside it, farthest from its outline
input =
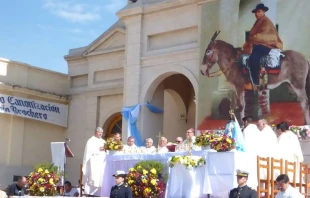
(190, 133)
(21, 181)
(148, 142)
(163, 141)
(117, 136)
(119, 177)
(68, 186)
(261, 124)
(179, 140)
(283, 182)
(247, 120)
(130, 141)
(242, 177)
(282, 127)
(98, 132)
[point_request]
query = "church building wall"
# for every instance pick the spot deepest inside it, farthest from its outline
(26, 142)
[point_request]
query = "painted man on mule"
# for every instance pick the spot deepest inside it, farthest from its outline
(295, 69)
(263, 37)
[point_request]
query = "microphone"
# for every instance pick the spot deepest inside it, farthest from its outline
(67, 139)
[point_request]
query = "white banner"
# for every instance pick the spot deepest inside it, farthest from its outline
(34, 109)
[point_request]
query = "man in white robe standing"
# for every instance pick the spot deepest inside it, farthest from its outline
(269, 139)
(93, 164)
(251, 136)
(288, 144)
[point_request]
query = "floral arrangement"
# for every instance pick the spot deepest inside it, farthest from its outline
(223, 143)
(204, 138)
(113, 145)
(43, 180)
(301, 132)
(189, 162)
(146, 179)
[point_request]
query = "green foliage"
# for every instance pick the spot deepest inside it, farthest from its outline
(149, 164)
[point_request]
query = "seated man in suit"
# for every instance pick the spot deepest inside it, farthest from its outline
(18, 188)
(242, 191)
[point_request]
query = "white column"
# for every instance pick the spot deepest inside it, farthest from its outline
(132, 67)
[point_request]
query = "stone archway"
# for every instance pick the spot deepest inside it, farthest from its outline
(175, 93)
(113, 125)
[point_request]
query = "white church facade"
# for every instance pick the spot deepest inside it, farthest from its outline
(151, 55)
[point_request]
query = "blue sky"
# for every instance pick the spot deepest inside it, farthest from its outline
(41, 32)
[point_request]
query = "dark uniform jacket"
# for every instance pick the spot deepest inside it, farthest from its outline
(122, 191)
(243, 192)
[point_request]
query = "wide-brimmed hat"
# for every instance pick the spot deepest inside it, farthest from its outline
(260, 6)
(242, 173)
(120, 173)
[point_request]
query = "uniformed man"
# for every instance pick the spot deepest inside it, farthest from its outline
(120, 190)
(243, 191)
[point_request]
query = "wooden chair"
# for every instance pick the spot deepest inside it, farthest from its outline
(81, 186)
(263, 163)
(276, 164)
(290, 167)
(303, 173)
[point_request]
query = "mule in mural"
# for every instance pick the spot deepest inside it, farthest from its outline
(294, 69)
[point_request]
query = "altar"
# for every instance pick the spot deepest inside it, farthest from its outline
(216, 178)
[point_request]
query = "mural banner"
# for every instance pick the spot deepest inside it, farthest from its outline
(255, 61)
(34, 109)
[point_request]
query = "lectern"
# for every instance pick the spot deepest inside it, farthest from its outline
(60, 152)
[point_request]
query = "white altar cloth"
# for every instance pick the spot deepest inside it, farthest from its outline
(122, 161)
(217, 178)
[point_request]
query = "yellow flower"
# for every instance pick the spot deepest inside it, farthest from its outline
(229, 141)
(51, 181)
(139, 167)
(145, 172)
(131, 169)
(131, 182)
(115, 147)
(144, 181)
(41, 189)
(147, 190)
(46, 171)
(40, 170)
(40, 180)
(153, 171)
(136, 192)
(153, 182)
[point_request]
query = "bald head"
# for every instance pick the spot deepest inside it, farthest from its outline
(261, 124)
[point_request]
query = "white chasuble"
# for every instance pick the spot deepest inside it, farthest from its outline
(93, 165)
(252, 139)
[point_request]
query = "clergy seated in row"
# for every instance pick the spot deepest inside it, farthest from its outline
(130, 146)
(149, 148)
(163, 145)
(93, 160)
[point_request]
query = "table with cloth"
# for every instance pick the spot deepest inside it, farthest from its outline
(217, 177)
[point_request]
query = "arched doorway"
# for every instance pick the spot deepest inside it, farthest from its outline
(176, 95)
(113, 125)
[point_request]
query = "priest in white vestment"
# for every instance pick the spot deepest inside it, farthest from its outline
(163, 145)
(190, 140)
(252, 138)
(269, 139)
(149, 148)
(288, 145)
(130, 147)
(93, 163)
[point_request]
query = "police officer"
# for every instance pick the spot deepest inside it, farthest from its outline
(120, 190)
(243, 191)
